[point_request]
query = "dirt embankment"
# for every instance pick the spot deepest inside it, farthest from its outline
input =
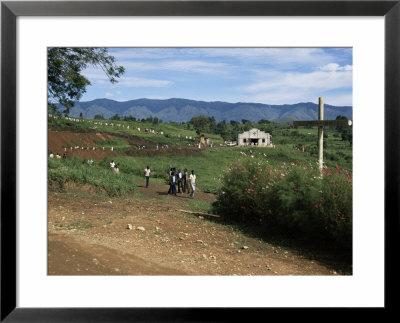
(61, 142)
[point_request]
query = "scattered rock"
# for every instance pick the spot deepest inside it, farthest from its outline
(245, 247)
(141, 229)
(129, 227)
(204, 256)
(199, 241)
(201, 217)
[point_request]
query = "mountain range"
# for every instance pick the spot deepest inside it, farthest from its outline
(182, 110)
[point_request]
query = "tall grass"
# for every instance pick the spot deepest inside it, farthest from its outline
(101, 179)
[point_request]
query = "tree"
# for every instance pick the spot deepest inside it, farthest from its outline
(65, 83)
(99, 117)
(129, 118)
(201, 124)
(115, 117)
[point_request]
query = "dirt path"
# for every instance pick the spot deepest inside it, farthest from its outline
(147, 234)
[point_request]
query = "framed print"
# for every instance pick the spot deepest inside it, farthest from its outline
(354, 41)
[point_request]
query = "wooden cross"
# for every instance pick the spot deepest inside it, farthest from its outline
(321, 123)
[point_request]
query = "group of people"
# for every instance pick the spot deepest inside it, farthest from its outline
(179, 179)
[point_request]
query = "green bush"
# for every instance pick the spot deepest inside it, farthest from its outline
(291, 198)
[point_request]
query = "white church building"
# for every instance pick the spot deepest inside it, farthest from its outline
(255, 137)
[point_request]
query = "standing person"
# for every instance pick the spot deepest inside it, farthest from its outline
(185, 179)
(192, 179)
(147, 175)
(169, 181)
(116, 169)
(112, 165)
(173, 183)
(179, 178)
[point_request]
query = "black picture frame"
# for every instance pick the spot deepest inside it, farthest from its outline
(10, 10)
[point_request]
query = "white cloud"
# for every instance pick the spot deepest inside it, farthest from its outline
(108, 94)
(98, 77)
(197, 66)
(318, 80)
(313, 56)
(333, 67)
(142, 82)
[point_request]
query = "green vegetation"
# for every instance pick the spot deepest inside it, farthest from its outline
(294, 199)
(75, 170)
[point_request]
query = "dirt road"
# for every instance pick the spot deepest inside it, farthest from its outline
(149, 234)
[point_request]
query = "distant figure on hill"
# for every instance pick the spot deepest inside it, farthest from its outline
(58, 156)
(112, 165)
(64, 156)
(51, 155)
(90, 162)
(147, 175)
(192, 179)
(116, 169)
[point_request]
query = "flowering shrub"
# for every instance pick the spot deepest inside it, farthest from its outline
(293, 198)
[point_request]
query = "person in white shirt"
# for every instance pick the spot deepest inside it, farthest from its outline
(173, 183)
(192, 179)
(147, 175)
(112, 165)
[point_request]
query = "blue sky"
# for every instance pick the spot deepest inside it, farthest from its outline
(258, 75)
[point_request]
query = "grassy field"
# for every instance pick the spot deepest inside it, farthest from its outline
(208, 164)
